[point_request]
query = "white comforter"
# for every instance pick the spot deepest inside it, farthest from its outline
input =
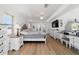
(32, 35)
(28, 31)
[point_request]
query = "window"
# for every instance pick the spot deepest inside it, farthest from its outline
(7, 20)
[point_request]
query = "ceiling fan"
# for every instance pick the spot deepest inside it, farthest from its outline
(42, 13)
(46, 5)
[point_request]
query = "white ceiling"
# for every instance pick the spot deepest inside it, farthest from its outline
(34, 11)
(30, 11)
(69, 8)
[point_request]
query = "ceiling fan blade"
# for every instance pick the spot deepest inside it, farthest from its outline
(46, 5)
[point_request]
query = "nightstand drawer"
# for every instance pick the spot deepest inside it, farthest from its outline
(2, 44)
(1, 37)
(2, 50)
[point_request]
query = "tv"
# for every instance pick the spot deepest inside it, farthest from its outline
(55, 24)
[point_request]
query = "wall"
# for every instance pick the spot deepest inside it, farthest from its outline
(71, 15)
(68, 17)
(39, 26)
(18, 19)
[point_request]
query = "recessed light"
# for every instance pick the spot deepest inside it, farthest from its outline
(41, 17)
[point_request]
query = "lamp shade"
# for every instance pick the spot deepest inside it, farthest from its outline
(74, 26)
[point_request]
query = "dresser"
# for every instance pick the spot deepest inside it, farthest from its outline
(15, 42)
(74, 42)
(3, 42)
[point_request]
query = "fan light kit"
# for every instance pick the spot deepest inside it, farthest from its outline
(41, 17)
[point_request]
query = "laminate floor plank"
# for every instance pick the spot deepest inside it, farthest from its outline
(52, 47)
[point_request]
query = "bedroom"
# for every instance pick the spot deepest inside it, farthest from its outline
(39, 29)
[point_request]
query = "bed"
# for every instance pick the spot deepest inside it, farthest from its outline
(32, 35)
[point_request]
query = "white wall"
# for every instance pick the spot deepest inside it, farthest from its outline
(18, 19)
(74, 14)
(68, 17)
(39, 26)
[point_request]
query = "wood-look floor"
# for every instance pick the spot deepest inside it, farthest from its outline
(52, 47)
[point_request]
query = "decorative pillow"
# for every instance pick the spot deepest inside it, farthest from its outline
(24, 27)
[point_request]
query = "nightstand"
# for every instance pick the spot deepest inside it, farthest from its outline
(15, 42)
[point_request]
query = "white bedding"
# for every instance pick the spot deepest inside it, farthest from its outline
(32, 35)
(28, 31)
